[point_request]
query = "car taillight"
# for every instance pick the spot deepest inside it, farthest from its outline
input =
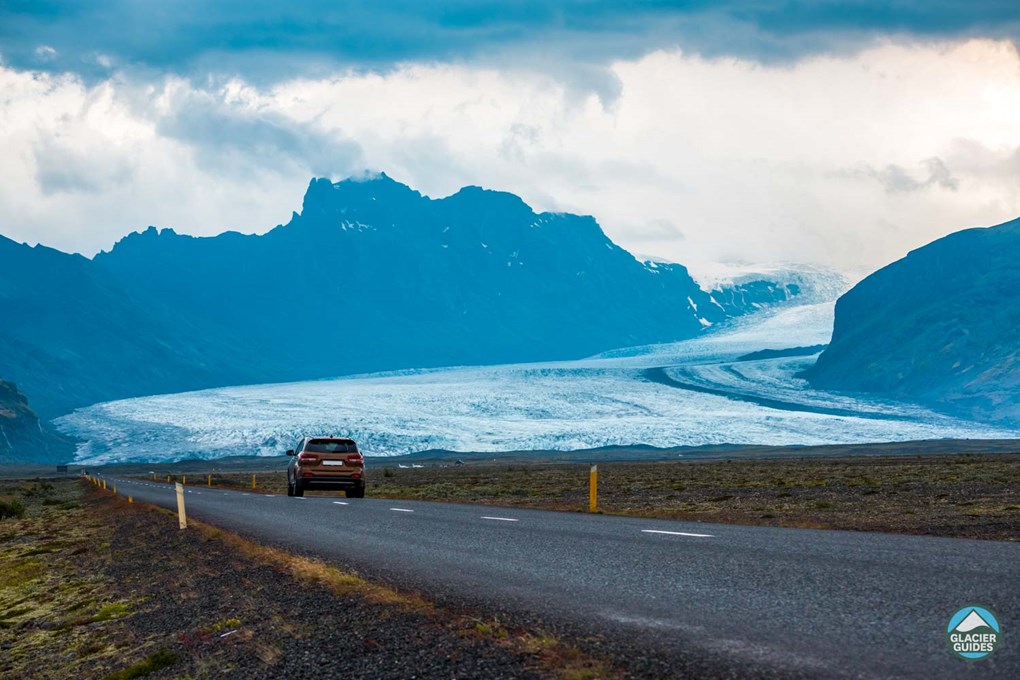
(355, 458)
(355, 476)
(308, 458)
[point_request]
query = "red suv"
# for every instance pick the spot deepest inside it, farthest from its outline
(328, 463)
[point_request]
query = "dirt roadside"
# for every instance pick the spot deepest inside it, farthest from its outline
(94, 587)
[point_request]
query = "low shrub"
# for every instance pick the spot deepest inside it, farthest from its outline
(11, 509)
(153, 663)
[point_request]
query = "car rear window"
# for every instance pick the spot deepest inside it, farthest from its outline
(331, 446)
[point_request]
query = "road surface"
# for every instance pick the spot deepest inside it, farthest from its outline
(694, 598)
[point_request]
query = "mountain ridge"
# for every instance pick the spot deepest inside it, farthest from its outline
(370, 275)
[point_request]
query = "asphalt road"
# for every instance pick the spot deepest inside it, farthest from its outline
(694, 598)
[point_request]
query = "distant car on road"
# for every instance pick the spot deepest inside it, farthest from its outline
(326, 463)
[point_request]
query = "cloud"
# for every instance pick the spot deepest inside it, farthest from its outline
(896, 178)
(84, 165)
(45, 53)
(233, 128)
(264, 42)
(61, 167)
(696, 160)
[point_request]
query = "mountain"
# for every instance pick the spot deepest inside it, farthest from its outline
(22, 436)
(71, 335)
(371, 275)
(738, 289)
(938, 326)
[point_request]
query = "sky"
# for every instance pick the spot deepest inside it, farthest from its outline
(743, 132)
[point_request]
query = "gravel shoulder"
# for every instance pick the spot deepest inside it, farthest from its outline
(95, 587)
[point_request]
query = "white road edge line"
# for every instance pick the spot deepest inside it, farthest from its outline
(339, 503)
(676, 533)
(401, 510)
(502, 519)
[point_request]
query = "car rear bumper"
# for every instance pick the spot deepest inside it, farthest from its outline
(331, 483)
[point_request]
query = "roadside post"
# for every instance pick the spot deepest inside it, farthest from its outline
(184, 479)
(104, 485)
(182, 520)
(593, 488)
(253, 481)
(209, 482)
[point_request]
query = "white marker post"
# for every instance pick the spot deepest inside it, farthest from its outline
(182, 520)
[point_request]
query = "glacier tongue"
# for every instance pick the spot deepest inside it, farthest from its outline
(600, 401)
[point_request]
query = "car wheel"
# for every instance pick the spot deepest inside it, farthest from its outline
(355, 493)
(290, 487)
(298, 490)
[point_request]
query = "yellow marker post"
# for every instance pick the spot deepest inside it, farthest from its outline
(210, 481)
(182, 520)
(184, 479)
(114, 489)
(130, 499)
(104, 485)
(593, 488)
(168, 479)
(253, 481)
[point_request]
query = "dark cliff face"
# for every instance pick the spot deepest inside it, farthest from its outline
(939, 326)
(369, 276)
(22, 436)
(71, 335)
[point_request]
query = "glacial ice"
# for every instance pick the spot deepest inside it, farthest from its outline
(598, 401)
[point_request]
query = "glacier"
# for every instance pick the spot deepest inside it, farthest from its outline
(688, 393)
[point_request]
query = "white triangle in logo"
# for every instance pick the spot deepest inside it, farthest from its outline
(971, 621)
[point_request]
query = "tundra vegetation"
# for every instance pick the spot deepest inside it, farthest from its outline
(95, 587)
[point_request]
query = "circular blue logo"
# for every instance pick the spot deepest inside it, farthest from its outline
(973, 632)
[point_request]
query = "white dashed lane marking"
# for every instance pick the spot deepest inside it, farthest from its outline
(401, 510)
(501, 519)
(676, 533)
(339, 503)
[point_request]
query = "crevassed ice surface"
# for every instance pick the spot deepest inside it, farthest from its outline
(603, 400)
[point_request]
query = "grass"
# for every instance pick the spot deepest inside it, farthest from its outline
(50, 576)
(152, 663)
(111, 610)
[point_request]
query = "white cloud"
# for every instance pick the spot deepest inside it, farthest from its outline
(45, 53)
(842, 160)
